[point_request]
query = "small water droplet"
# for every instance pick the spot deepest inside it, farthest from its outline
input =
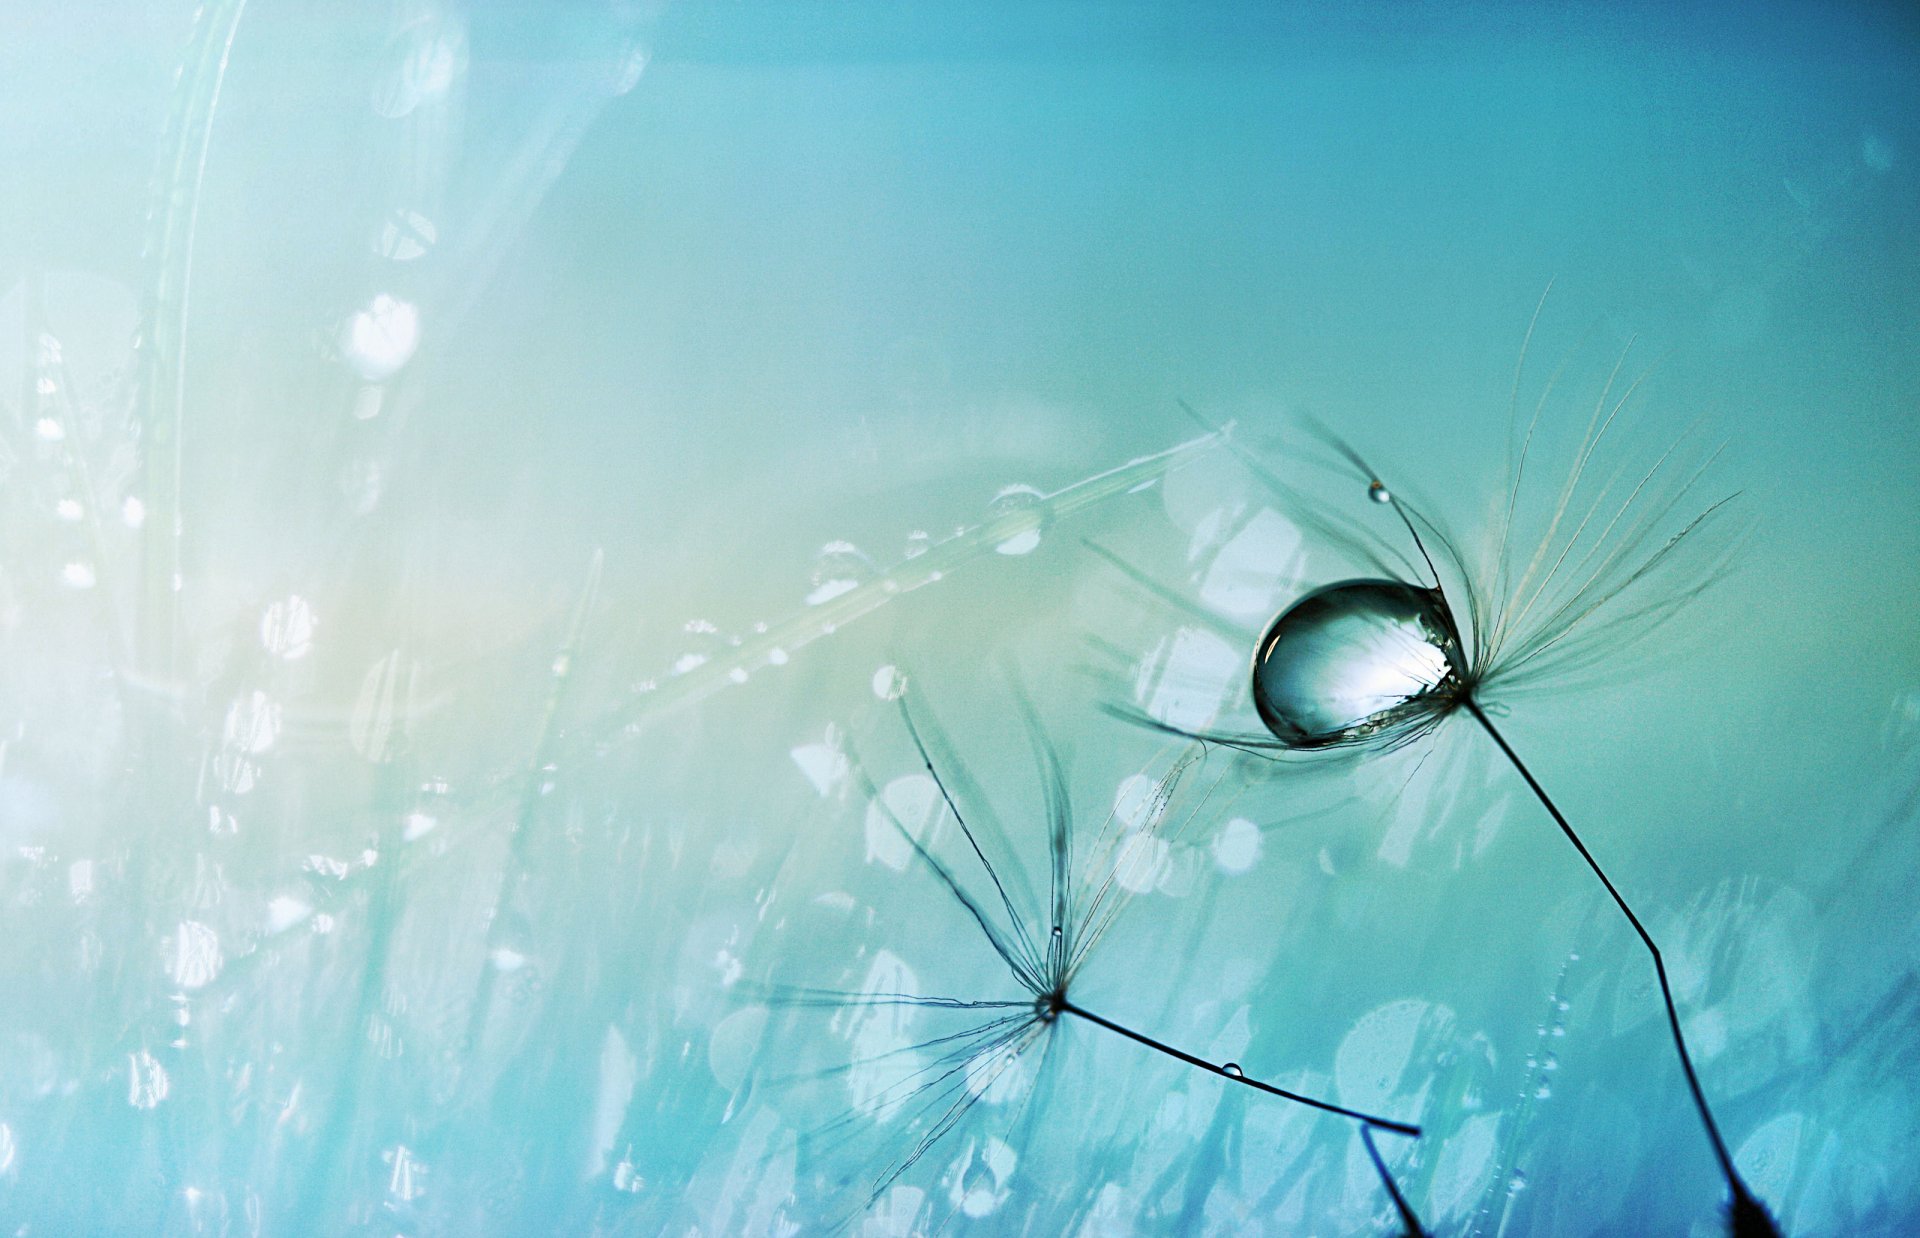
(379, 340)
(1056, 931)
(1232, 1070)
(840, 567)
(1021, 506)
(147, 1082)
(1379, 493)
(917, 543)
(888, 683)
(1550, 1062)
(1516, 1183)
(1543, 1091)
(1558, 1029)
(1563, 1005)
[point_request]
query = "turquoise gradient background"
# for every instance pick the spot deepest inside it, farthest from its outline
(462, 945)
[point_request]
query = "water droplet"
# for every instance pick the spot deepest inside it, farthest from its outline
(1355, 660)
(626, 1178)
(1557, 1029)
(839, 568)
(380, 339)
(147, 1081)
(1020, 506)
(195, 957)
(1236, 848)
(917, 543)
(1543, 1091)
(1056, 931)
(1563, 1005)
(285, 911)
(888, 683)
(1516, 1183)
(1379, 493)
(1550, 1062)
(1232, 1070)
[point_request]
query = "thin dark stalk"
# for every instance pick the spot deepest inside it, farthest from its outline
(1740, 1193)
(1060, 1005)
(1400, 1203)
(1385, 1124)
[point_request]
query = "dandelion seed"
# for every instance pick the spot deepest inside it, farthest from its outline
(932, 1086)
(1373, 664)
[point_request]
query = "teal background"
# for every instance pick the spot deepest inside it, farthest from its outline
(712, 287)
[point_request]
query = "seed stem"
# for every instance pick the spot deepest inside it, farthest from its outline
(1739, 1188)
(1367, 1121)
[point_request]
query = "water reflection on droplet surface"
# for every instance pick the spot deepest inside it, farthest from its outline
(1354, 660)
(1009, 502)
(840, 567)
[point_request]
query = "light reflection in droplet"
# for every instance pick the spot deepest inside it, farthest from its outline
(1353, 660)
(1010, 502)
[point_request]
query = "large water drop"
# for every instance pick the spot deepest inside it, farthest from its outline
(1354, 660)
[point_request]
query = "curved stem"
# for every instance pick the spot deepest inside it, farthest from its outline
(1367, 1121)
(1738, 1187)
